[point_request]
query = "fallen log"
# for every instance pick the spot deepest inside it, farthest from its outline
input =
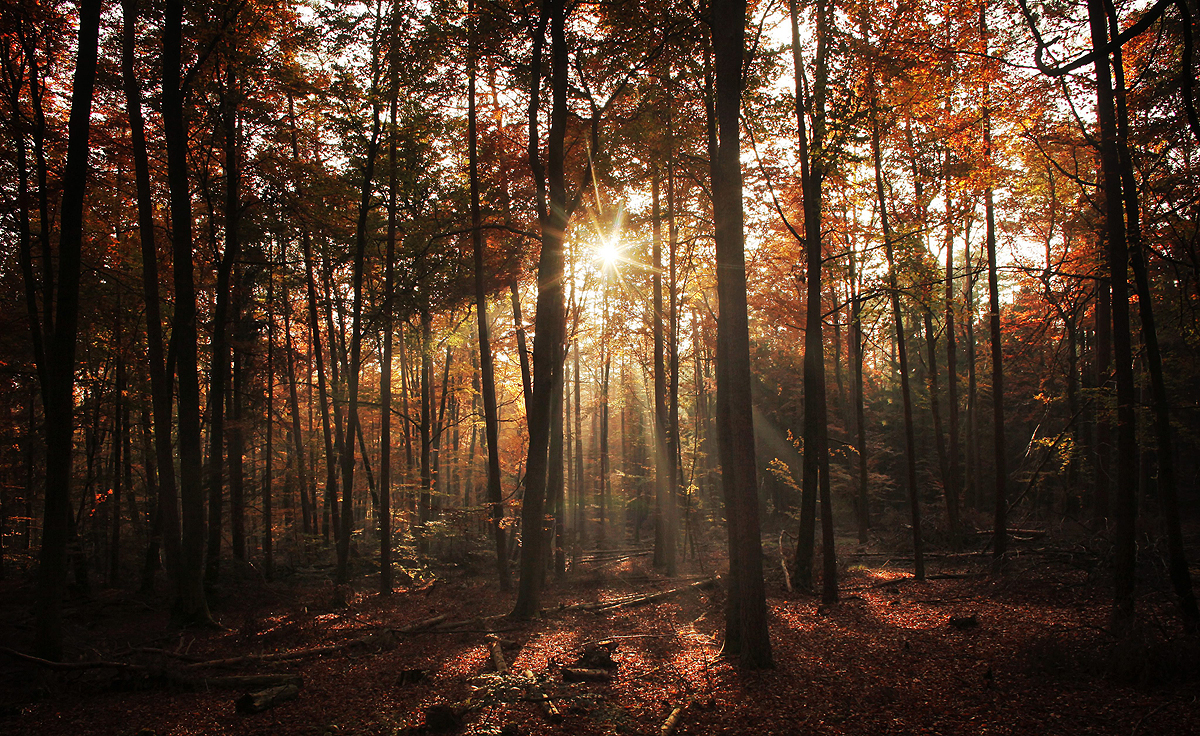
(672, 722)
(582, 674)
(257, 702)
(497, 653)
(421, 625)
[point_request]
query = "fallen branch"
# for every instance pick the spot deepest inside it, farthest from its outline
(66, 666)
(635, 600)
(383, 639)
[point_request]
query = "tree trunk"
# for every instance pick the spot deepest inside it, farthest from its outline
(1177, 564)
(219, 374)
(860, 422)
(746, 612)
(294, 399)
(354, 367)
(549, 323)
(190, 605)
(816, 414)
(491, 413)
(999, 531)
(953, 477)
(664, 538)
(910, 452)
(268, 516)
(1124, 541)
(119, 433)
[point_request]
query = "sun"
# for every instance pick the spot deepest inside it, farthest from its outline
(608, 253)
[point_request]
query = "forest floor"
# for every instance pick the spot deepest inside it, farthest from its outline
(962, 653)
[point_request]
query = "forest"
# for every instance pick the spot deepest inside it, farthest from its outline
(600, 367)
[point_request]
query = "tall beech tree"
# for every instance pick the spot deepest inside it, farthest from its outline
(58, 373)
(746, 632)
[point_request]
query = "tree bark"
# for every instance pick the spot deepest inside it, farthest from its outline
(491, 413)
(746, 611)
(999, 532)
(1124, 541)
(354, 367)
(190, 605)
(549, 323)
(1177, 565)
(910, 459)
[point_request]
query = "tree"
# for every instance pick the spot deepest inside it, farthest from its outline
(746, 632)
(491, 418)
(58, 375)
(190, 606)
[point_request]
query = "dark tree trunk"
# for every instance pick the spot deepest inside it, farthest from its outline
(1181, 579)
(816, 414)
(491, 414)
(59, 373)
(298, 444)
(314, 322)
(910, 452)
(860, 422)
(268, 515)
(219, 375)
(549, 322)
(746, 612)
(1125, 512)
(120, 431)
(664, 495)
(423, 509)
(354, 366)
(190, 605)
(999, 531)
(953, 477)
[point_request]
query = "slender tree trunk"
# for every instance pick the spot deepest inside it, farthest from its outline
(999, 532)
(190, 604)
(268, 515)
(1177, 564)
(236, 445)
(746, 611)
(354, 367)
(816, 415)
(672, 345)
(860, 422)
(1124, 541)
(294, 399)
(322, 390)
(423, 510)
(901, 351)
(664, 540)
(936, 410)
(491, 414)
(549, 323)
(219, 374)
(954, 475)
(119, 433)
